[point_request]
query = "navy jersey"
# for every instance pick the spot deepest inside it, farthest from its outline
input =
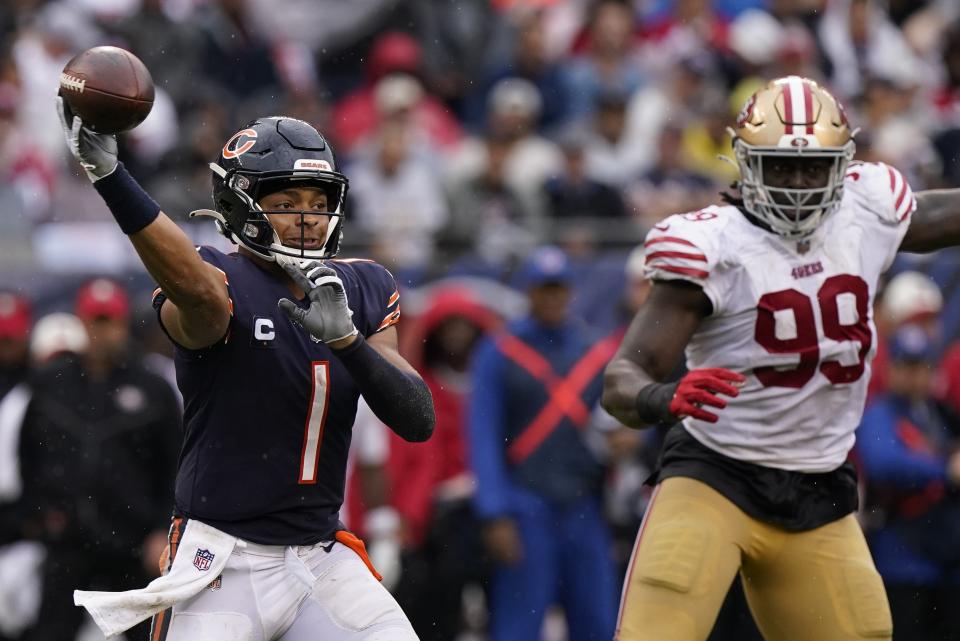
(268, 411)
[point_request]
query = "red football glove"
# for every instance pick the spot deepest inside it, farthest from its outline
(700, 387)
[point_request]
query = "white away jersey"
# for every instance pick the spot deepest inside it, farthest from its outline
(795, 317)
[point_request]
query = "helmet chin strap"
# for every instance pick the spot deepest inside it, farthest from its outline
(283, 260)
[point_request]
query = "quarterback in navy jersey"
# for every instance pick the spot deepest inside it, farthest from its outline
(275, 344)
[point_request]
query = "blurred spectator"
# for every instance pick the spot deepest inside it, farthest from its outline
(15, 322)
(20, 351)
(673, 100)
(538, 483)
(156, 135)
(755, 39)
(398, 201)
(670, 186)
(433, 484)
(530, 61)
(909, 298)
(98, 450)
(860, 41)
(630, 454)
(366, 508)
(706, 141)
(19, 561)
(608, 64)
(907, 446)
(674, 29)
(925, 23)
(763, 47)
(797, 54)
(26, 179)
(947, 97)
(488, 218)
(325, 25)
(512, 114)
(948, 385)
(57, 334)
(356, 115)
(154, 36)
(572, 194)
(455, 37)
(898, 131)
(52, 35)
(615, 152)
(184, 180)
(235, 59)
(54, 335)
(947, 105)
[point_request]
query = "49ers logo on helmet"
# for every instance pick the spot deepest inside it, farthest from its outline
(240, 143)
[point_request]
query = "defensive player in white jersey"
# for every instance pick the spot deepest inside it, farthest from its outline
(771, 295)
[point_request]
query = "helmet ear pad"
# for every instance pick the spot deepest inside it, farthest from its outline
(246, 227)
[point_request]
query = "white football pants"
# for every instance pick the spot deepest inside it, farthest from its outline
(297, 593)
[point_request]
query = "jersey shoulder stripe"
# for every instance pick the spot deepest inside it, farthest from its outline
(882, 189)
(686, 246)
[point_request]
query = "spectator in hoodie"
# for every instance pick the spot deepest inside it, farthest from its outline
(907, 448)
(443, 546)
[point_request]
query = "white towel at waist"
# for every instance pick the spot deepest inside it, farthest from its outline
(200, 558)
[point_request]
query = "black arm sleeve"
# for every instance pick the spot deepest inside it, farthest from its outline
(401, 400)
(653, 403)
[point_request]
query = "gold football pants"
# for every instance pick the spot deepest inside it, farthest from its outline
(818, 585)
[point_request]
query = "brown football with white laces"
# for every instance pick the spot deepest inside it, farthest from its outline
(109, 88)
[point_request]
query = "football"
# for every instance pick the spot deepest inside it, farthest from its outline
(109, 88)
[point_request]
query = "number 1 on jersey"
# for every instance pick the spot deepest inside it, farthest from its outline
(316, 417)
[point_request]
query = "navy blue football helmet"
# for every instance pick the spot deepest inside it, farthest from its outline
(265, 156)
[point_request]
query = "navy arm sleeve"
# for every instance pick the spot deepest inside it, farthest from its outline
(398, 398)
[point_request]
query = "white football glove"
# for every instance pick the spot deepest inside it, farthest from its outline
(329, 317)
(97, 153)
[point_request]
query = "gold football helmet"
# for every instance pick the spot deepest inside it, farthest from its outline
(791, 117)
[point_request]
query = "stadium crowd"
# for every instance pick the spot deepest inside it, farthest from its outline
(505, 158)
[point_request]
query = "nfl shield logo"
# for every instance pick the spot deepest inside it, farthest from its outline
(202, 560)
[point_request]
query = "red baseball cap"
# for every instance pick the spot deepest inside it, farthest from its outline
(102, 297)
(14, 316)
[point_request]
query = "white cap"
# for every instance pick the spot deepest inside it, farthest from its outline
(57, 333)
(635, 263)
(910, 295)
(756, 36)
(515, 95)
(397, 91)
